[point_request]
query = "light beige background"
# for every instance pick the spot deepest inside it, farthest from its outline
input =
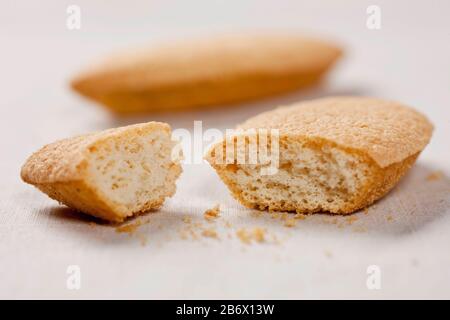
(407, 234)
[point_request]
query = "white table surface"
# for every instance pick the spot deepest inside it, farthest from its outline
(407, 234)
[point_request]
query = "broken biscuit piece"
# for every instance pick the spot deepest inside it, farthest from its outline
(113, 174)
(334, 155)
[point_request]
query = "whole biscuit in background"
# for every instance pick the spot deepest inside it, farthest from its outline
(334, 155)
(200, 73)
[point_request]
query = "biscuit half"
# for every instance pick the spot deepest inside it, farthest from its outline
(112, 174)
(334, 155)
(206, 72)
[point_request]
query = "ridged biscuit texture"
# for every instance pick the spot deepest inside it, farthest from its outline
(206, 72)
(112, 174)
(335, 155)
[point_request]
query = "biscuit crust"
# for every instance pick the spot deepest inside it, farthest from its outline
(374, 140)
(387, 131)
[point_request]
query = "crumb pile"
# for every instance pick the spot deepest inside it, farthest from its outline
(212, 226)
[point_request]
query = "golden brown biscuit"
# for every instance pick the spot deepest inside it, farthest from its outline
(187, 75)
(112, 174)
(335, 155)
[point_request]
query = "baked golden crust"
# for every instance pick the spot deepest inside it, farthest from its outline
(205, 72)
(385, 137)
(61, 171)
(81, 196)
(386, 131)
(64, 160)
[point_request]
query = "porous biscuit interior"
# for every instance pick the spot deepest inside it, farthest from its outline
(309, 179)
(133, 173)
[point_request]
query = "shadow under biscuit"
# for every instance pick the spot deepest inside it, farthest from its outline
(421, 198)
(143, 228)
(64, 213)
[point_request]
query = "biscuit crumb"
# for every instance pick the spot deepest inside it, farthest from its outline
(246, 236)
(258, 234)
(300, 216)
(389, 218)
(256, 213)
(328, 254)
(197, 225)
(290, 223)
(330, 220)
(351, 219)
(437, 175)
(129, 228)
(360, 229)
(187, 219)
(243, 236)
(212, 213)
(210, 233)
(274, 215)
(188, 232)
(366, 210)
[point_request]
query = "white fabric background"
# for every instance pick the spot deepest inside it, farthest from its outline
(407, 60)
